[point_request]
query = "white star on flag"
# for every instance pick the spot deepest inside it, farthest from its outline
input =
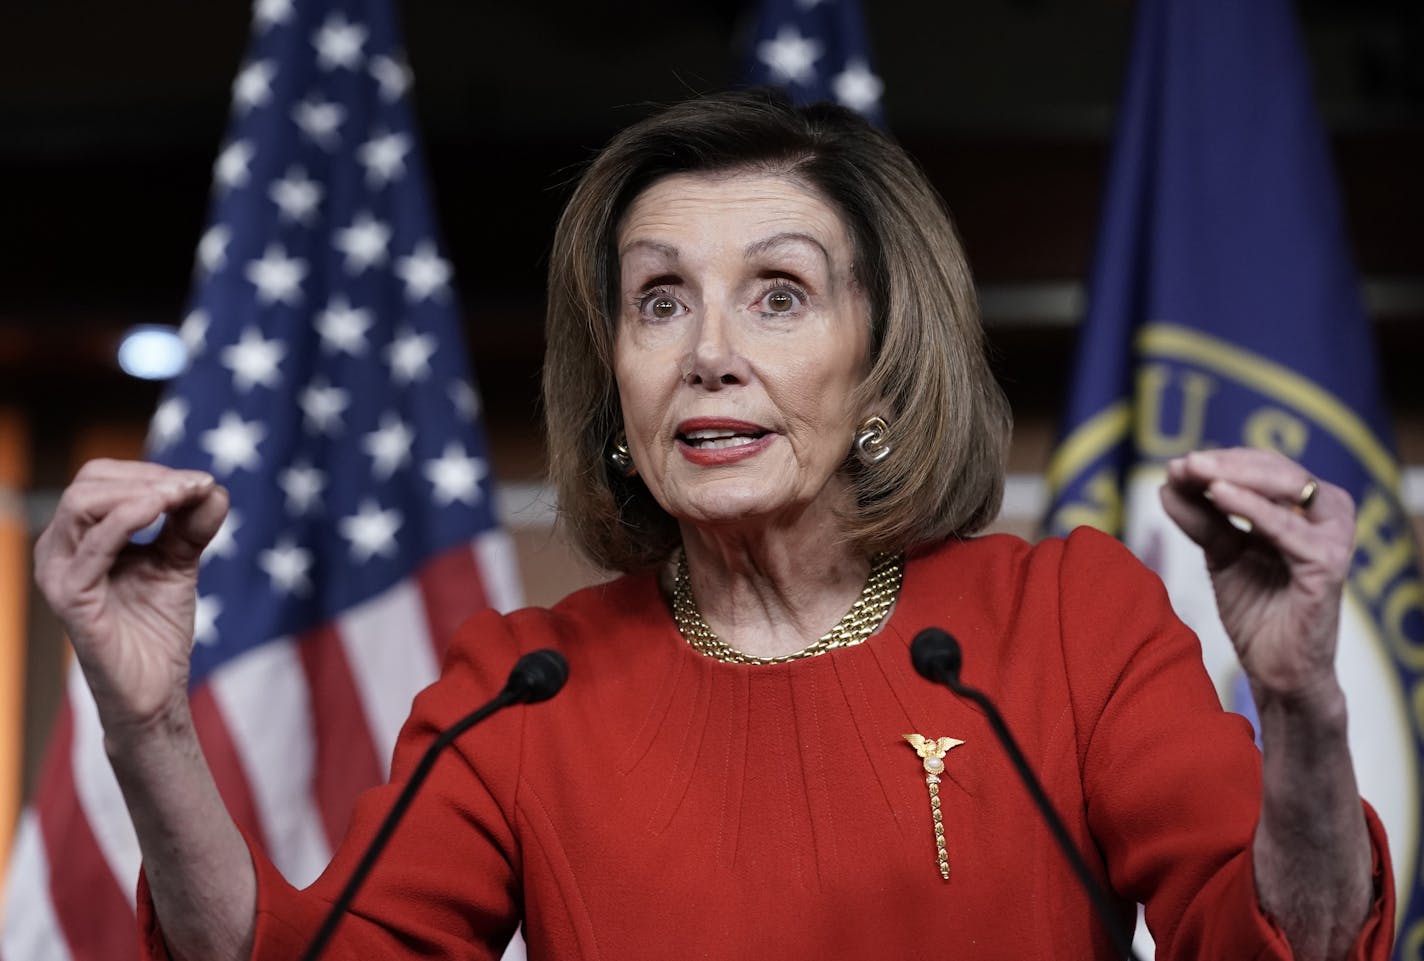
(303, 484)
(856, 87)
(319, 120)
(233, 443)
(194, 332)
(342, 327)
(338, 43)
(383, 157)
(212, 249)
(409, 356)
(426, 273)
(168, 422)
(269, 13)
(205, 619)
(466, 401)
(391, 75)
(296, 196)
(230, 169)
(278, 278)
(253, 86)
(790, 56)
(389, 446)
(363, 243)
(287, 565)
(456, 475)
(254, 360)
(371, 531)
(224, 543)
(323, 406)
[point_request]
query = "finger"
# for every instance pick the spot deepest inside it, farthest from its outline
(97, 517)
(1268, 473)
(1203, 523)
(98, 548)
(176, 489)
(1299, 540)
(83, 504)
(109, 468)
(145, 472)
(192, 526)
(93, 493)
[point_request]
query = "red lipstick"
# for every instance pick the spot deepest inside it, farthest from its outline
(713, 441)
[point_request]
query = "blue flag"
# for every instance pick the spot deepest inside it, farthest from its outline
(817, 50)
(1224, 310)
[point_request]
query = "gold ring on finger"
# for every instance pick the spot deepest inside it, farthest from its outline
(1306, 497)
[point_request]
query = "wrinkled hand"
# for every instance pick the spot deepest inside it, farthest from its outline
(1278, 587)
(129, 608)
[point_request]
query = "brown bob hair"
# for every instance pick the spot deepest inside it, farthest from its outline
(949, 420)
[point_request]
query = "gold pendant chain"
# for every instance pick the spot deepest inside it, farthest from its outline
(932, 751)
(881, 589)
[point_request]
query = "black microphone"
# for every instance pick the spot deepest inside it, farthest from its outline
(938, 657)
(537, 676)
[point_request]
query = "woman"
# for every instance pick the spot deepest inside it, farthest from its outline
(767, 401)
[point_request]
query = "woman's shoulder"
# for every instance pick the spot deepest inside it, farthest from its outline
(1085, 549)
(621, 607)
(1086, 590)
(1051, 584)
(601, 620)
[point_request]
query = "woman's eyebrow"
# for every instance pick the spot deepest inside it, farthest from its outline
(782, 239)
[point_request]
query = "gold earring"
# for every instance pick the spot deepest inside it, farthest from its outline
(871, 447)
(621, 457)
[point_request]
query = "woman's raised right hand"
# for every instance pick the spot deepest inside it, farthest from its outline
(128, 607)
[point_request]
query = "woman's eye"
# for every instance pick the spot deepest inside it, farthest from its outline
(782, 300)
(657, 305)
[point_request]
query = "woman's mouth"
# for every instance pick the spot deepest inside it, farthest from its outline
(713, 442)
(719, 438)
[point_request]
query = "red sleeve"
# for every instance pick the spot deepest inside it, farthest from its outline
(448, 883)
(1172, 781)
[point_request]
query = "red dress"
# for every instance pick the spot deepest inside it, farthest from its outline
(666, 805)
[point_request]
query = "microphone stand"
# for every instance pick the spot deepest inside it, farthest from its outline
(944, 668)
(537, 677)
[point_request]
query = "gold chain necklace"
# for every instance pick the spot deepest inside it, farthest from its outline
(881, 589)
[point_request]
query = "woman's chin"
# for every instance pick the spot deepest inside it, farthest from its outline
(748, 512)
(739, 504)
(731, 511)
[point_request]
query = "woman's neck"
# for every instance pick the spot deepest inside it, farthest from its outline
(772, 591)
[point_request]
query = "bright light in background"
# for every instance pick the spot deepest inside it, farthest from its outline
(152, 352)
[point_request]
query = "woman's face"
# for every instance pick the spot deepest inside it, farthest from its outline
(741, 338)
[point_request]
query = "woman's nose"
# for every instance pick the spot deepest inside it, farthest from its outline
(715, 359)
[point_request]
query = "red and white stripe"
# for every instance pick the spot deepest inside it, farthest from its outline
(39, 937)
(292, 730)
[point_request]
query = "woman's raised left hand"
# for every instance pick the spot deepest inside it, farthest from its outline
(1278, 586)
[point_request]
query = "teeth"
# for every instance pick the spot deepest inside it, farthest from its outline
(716, 438)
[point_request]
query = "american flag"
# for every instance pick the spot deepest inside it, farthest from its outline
(328, 390)
(817, 50)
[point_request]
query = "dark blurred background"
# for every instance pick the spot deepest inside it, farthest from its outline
(111, 115)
